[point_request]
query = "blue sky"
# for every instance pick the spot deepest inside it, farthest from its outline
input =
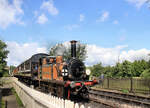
(103, 23)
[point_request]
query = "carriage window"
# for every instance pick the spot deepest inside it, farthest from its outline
(40, 61)
(35, 66)
(19, 68)
(27, 65)
(22, 67)
(47, 61)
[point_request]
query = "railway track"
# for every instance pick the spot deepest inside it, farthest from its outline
(109, 98)
(100, 103)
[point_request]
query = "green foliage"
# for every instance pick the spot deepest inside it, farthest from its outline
(117, 70)
(139, 67)
(65, 51)
(124, 69)
(125, 91)
(108, 71)
(3, 56)
(17, 98)
(146, 73)
(2, 103)
(6, 73)
(97, 70)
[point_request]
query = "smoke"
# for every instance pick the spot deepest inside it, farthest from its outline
(63, 49)
(60, 49)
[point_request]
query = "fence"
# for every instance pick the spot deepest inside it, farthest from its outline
(35, 99)
(135, 85)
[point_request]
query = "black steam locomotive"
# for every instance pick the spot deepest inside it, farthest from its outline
(52, 74)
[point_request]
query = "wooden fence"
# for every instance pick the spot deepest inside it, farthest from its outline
(135, 85)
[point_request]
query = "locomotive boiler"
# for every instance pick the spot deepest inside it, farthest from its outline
(53, 75)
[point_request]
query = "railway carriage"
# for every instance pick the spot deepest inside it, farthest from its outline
(55, 76)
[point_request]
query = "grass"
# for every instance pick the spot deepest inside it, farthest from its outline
(124, 91)
(2, 103)
(17, 98)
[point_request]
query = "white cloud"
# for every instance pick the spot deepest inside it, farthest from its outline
(137, 3)
(104, 16)
(107, 56)
(71, 27)
(49, 6)
(115, 22)
(82, 17)
(42, 19)
(20, 52)
(132, 55)
(10, 13)
(110, 56)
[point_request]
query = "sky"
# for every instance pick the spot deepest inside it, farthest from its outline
(114, 30)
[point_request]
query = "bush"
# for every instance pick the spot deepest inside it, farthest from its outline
(124, 91)
(146, 73)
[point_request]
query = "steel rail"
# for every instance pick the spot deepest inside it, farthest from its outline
(102, 102)
(140, 100)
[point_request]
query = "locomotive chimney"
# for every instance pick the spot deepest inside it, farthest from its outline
(73, 48)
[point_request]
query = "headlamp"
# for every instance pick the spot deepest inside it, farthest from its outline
(88, 71)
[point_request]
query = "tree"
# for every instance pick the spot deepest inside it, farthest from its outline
(139, 66)
(117, 70)
(146, 76)
(65, 51)
(3, 56)
(108, 71)
(136, 68)
(97, 70)
(146, 73)
(126, 69)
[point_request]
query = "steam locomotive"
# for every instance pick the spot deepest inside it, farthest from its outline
(53, 75)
